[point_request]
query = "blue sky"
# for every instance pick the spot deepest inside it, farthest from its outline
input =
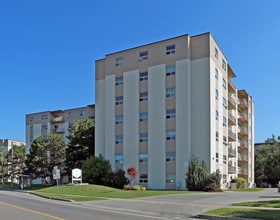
(48, 49)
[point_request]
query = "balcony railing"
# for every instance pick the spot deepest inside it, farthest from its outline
(232, 119)
(58, 120)
(243, 131)
(231, 152)
(243, 103)
(231, 169)
(231, 102)
(231, 86)
(243, 117)
(231, 135)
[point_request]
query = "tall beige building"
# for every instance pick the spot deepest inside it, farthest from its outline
(59, 121)
(159, 104)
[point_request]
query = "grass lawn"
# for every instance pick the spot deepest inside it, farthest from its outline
(246, 213)
(96, 192)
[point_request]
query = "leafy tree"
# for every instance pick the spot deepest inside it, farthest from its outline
(267, 163)
(95, 169)
(45, 154)
(199, 177)
(17, 156)
(81, 144)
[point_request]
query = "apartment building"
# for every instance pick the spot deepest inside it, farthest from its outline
(7, 144)
(58, 121)
(160, 104)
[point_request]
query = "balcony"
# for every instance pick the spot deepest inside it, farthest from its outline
(58, 130)
(243, 117)
(242, 171)
(243, 145)
(57, 120)
(243, 131)
(231, 102)
(243, 104)
(231, 169)
(231, 119)
(242, 158)
(231, 135)
(231, 152)
(231, 87)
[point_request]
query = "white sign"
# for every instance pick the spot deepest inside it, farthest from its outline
(76, 175)
(56, 174)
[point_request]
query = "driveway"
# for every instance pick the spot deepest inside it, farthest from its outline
(183, 206)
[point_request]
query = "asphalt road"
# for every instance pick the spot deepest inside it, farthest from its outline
(18, 205)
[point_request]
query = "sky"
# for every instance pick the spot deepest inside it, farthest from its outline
(48, 49)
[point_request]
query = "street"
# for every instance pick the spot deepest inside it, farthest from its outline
(19, 205)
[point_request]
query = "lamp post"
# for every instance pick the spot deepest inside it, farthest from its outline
(2, 166)
(12, 165)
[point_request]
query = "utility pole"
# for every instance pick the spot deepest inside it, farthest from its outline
(12, 165)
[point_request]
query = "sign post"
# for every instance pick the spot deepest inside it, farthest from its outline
(56, 176)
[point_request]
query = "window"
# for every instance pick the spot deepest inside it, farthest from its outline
(70, 114)
(224, 140)
(170, 71)
(170, 157)
(119, 81)
(217, 94)
(119, 159)
(119, 61)
(82, 112)
(224, 64)
(217, 115)
(143, 96)
(170, 92)
(31, 118)
(170, 113)
(224, 102)
(216, 73)
(217, 157)
(224, 159)
(143, 158)
(216, 53)
(170, 135)
(143, 137)
(119, 100)
(119, 120)
(143, 178)
(217, 136)
(224, 83)
(118, 139)
(224, 121)
(143, 76)
(170, 49)
(143, 117)
(44, 127)
(143, 55)
(170, 178)
(44, 116)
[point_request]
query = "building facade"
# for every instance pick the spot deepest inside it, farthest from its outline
(7, 144)
(59, 121)
(160, 104)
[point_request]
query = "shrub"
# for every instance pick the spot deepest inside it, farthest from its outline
(115, 179)
(137, 187)
(240, 182)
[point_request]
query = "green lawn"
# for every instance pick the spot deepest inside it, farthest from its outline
(246, 213)
(95, 192)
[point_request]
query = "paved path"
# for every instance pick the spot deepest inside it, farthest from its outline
(183, 206)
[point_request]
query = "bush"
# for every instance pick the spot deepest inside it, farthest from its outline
(200, 179)
(137, 187)
(115, 179)
(240, 182)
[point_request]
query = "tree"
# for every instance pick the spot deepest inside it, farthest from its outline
(199, 178)
(267, 163)
(81, 144)
(115, 179)
(95, 169)
(45, 154)
(17, 156)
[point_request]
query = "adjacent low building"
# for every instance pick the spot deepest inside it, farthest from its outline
(159, 104)
(58, 121)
